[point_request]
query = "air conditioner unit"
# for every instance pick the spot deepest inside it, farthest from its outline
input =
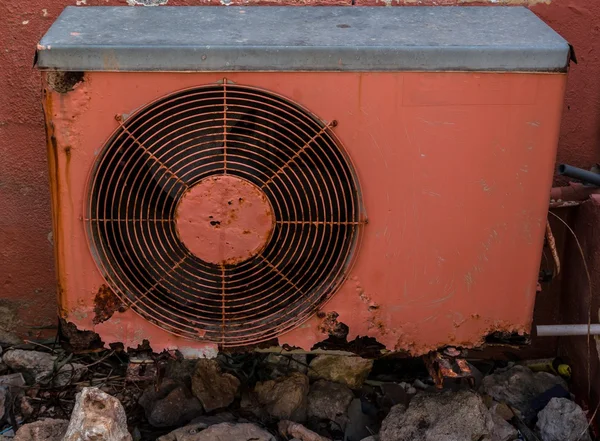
(228, 177)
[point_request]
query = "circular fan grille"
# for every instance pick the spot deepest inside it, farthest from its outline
(190, 160)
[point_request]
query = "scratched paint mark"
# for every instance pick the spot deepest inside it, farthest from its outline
(469, 280)
(534, 123)
(44, 13)
(485, 186)
(431, 193)
(25, 22)
(482, 259)
(81, 2)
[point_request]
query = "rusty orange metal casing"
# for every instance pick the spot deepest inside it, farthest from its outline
(450, 165)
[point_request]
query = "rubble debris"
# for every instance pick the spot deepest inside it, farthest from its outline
(97, 416)
(197, 425)
(4, 400)
(500, 429)
(448, 364)
(291, 429)
(141, 368)
(283, 364)
(329, 401)
(394, 393)
(43, 430)
(43, 368)
(180, 369)
(351, 371)
(360, 425)
(285, 397)
(213, 388)
(171, 405)
(562, 420)
(77, 341)
(502, 410)
(222, 431)
(518, 386)
(444, 416)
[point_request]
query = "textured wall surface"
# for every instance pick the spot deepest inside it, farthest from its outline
(27, 294)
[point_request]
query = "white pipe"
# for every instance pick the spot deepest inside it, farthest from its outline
(565, 330)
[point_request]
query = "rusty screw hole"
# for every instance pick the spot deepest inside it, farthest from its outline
(229, 202)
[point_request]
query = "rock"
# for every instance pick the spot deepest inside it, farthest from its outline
(290, 429)
(180, 370)
(518, 385)
(4, 396)
(284, 398)
(222, 432)
(42, 430)
(329, 401)
(500, 429)
(38, 367)
(562, 420)
(171, 405)
(395, 394)
(26, 407)
(197, 425)
(359, 424)
(351, 371)
(371, 438)
(213, 388)
(444, 416)
(502, 410)
(97, 417)
(283, 365)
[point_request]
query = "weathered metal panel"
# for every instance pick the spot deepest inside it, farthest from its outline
(455, 170)
(301, 39)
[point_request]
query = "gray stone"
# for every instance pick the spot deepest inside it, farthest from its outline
(222, 432)
(197, 425)
(371, 438)
(180, 369)
(359, 424)
(43, 430)
(171, 405)
(97, 417)
(213, 388)
(283, 365)
(502, 410)
(38, 367)
(444, 416)
(518, 385)
(4, 395)
(500, 429)
(284, 398)
(351, 371)
(562, 420)
(329, 401)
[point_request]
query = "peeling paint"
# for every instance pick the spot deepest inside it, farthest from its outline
(106, 303)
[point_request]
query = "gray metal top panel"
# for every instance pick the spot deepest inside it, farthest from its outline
(301, 39)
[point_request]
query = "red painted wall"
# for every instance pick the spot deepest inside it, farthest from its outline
(27, 284)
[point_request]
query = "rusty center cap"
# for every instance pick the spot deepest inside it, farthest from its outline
(224, 219)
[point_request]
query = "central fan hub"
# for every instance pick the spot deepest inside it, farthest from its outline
(224, 219)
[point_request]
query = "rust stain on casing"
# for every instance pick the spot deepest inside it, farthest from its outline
(106, 303)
